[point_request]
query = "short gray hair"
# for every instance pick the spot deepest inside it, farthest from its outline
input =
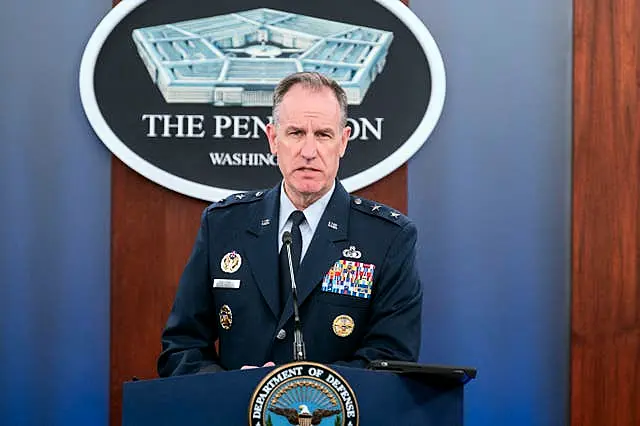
(313, 81)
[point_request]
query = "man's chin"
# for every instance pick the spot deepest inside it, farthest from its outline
(308, 189)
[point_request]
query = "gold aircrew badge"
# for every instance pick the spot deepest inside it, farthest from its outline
(226, 317)
(343, 325)
(231, 262)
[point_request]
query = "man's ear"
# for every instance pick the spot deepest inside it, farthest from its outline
(271, 137)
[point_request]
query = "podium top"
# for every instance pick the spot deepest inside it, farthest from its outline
(438, 372)
(228, 397)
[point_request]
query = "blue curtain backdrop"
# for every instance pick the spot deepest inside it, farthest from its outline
(54, 222)
(491, 197)
(490, 194)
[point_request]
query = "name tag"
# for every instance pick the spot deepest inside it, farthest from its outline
(224, 283)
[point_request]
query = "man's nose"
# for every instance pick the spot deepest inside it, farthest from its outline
(309, 147)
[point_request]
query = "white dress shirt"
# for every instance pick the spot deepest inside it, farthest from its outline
(312, 215)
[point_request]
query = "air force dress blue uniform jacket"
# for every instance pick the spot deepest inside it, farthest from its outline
(358, 288)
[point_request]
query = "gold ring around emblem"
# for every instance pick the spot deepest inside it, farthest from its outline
(343, 325)
(226, 317)
(231, 262)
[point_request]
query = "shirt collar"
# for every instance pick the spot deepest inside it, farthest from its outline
(312, 214)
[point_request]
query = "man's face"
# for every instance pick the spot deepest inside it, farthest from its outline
(309, 141)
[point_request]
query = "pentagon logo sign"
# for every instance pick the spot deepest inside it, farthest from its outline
(305, 394)
(181, 92)
(238, 58)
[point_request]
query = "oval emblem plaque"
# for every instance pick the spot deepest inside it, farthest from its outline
(181, 91)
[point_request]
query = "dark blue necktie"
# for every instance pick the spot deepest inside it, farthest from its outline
(297, 217)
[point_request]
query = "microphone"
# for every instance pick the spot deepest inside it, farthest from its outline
(299, 352)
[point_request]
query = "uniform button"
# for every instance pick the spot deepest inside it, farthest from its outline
(281, 334)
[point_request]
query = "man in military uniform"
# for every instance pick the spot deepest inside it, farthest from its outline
(358, 288)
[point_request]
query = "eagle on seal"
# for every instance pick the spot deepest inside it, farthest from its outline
(302, 416)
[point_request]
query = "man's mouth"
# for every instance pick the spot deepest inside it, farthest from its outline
(307, 169)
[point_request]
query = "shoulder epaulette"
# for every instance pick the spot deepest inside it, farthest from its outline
(378, 210)
(235, 199)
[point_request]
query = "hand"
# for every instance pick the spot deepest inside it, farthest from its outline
(247, 367)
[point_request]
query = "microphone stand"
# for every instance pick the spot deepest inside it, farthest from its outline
(299, 351)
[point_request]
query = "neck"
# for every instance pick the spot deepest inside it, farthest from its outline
(301, 200)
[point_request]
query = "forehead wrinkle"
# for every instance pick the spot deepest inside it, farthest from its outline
(314, 122)
(314, 114)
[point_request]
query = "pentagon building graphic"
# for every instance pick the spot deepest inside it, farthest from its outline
(237, 59)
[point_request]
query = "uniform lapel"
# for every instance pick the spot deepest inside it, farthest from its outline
(323, 250)
(262, 249)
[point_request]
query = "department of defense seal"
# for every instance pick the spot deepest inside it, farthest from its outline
(343, 325)
(303, 393)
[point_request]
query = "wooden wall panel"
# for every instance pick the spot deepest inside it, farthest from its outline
(151, 237)
(605, 347)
